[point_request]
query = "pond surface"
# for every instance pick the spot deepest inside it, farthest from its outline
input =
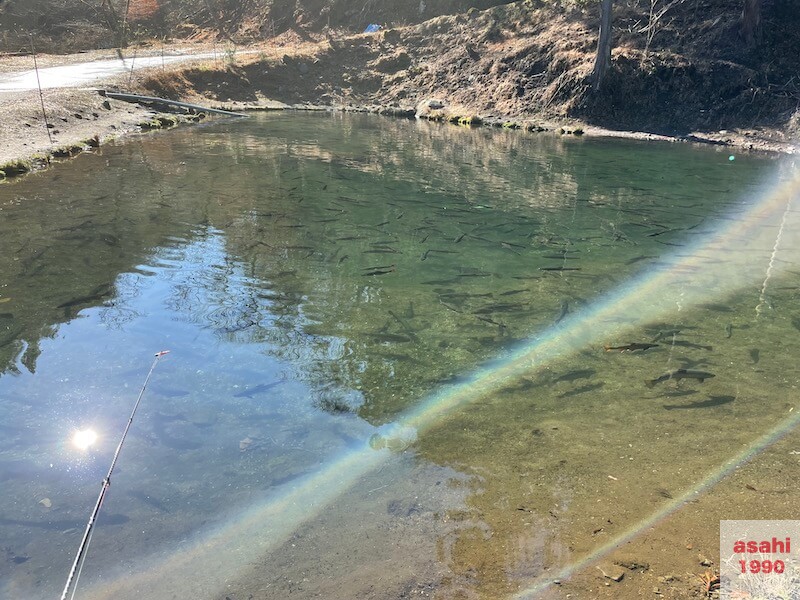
(406, 359)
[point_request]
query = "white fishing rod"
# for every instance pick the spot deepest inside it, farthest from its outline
(80, 558)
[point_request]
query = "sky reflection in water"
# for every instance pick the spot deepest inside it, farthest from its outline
(322, 278)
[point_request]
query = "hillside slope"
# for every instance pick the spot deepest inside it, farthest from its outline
(533, 60)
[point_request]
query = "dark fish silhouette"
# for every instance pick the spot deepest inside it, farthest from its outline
(409, 332)
(665, 333)
(451, 307)
(98, 293)
(459, 295)
(283, 274)
(685, 344)
(657, 233)
(149, 500)
(441, 281)
(678, 374)
(689, 363)
(634, 347)
(668, 330)
(382, 250)
(564, 312)
(636, 259)
(716, 307)
(537, 277)
(575, 375)
(509, 245)
(476, 273)
(710, 403)
(379, 272)
(514, 292)
(258, 389)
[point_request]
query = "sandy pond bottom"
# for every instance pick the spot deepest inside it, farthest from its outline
(389, 375)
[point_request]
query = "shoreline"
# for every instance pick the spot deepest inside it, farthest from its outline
(82, 120)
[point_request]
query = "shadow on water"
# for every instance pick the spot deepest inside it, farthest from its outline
(317, 276)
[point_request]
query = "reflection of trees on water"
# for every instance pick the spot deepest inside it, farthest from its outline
(270, 236)
(65, 245)
(368, 262)
(344, 203)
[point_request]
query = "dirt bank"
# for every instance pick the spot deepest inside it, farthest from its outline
(512, 65)
(526, 62)
(66, 121)
(78, 120)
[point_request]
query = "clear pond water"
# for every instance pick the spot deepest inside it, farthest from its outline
(401, 357)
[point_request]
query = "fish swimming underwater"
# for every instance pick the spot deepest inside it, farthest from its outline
(258, 389)
(677, 374)
(635, 346)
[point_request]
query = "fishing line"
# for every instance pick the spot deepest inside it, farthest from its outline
(80, 569)
(80, 558)
(762, 299)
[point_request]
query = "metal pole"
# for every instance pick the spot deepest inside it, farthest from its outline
(133, 62)
(39, 85)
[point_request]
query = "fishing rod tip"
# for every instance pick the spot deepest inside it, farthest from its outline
(162, 353)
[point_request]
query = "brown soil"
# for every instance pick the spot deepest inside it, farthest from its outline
(76, 118)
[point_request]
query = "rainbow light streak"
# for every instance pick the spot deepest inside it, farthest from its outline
(761, 444)
(200, 568)
(732, 259)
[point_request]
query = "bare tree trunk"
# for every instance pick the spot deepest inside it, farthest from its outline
(751, 22)
(602, 60)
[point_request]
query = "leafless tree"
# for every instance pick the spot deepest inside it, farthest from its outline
(654, 21)
(602, 60)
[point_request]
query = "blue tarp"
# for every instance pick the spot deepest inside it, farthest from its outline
(372, 28)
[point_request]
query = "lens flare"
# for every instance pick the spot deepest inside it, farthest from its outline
(729, 259)
(84, 439)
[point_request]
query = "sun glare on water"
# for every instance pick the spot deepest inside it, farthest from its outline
(84, 438)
